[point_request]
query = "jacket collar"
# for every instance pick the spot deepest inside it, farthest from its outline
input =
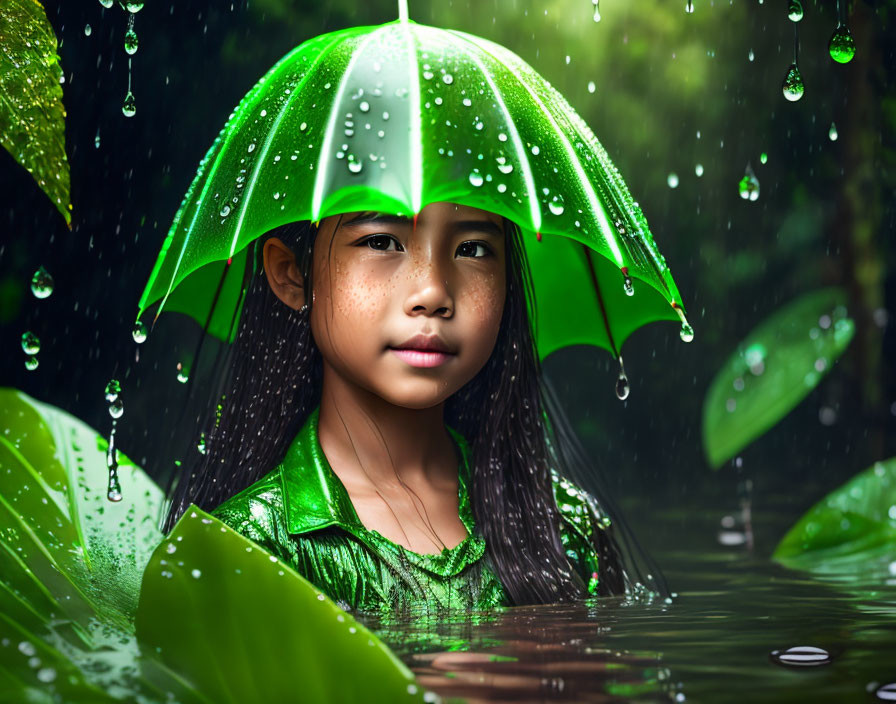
(315, 498)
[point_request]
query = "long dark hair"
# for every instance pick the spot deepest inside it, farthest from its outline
(273, 383)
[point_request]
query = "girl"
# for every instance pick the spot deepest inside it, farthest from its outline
(386, 428)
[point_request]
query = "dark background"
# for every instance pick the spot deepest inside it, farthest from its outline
(671, 90)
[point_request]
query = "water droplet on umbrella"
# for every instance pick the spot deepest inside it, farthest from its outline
(698, 169)
(355, 166)
(596, 15)
(832, 133)
(303, 127)
(116, 408)
(364, 106)
(131, 42)
(556, 205)
(749, 185)
(428, 75)
(31, 363)
(87, 30)
(138, 332)
(591, 87)
(112, 391)
(502, 188)
(689, 6)
(129, 107)
(535, 149)
(801, 656)
(886, 692)
(672, 180)
(793, 87)
(502, 137)
(795, 11)
(251, 147)
(448, 79)
(41, 283)
(196, 573)
(476, 178)
(46, 674)
(225, 211)
(842, 46)
(30, 343)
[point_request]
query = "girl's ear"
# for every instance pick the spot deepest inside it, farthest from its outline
(282, 272)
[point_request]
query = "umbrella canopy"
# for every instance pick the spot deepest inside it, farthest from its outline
(391, 118)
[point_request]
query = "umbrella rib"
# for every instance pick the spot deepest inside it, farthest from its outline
(600, 298)
(213, 169)
(528, 177)
(596, 207)
(326, 147)
(415, 152)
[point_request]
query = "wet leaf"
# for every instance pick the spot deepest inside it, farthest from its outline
(227, 616)
(32, 117)
(772, 370)
(853, 527)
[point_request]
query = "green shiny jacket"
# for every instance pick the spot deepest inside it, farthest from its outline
(302, 513)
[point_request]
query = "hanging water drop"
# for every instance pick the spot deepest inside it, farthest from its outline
(749, 185)
(476, 178)
(793, 87)
(672, 180)
(795, 11)
(138, 332)
(87, 30)
(355, 165)
(116, 408)
(622, 386)
(129, 107)
(689, 6)
(842, 46)
(687, 332)
(591, 86)
(130, 41)
(113, 489)
(627, 284)
(596, 16)
(556, 205)
(31, 363)
(106, 3)
(832, 133)
(30, 343)
(41, 283)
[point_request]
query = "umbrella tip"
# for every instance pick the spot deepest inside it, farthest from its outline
(403, 10)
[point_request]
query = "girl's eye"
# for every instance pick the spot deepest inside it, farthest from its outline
(473, 249)
(383, 243)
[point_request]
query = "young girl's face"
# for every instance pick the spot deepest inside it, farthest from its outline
(409, 312)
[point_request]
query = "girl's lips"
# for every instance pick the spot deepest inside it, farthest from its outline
(422, 358)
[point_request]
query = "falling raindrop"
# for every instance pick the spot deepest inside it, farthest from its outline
(842, 46)
(801, 656)
(106, 3)
(596, 4)
(672, 180)
(355, 165)
(749, 185)
(698, 169)
(622, 386)
(751, 56)
(30, 343)
(87, 30)
(116, 409)
(96, 140)
(795, 11)
(129, 107)
(687, 332)
(182, 374)
(763, 158)
(476, 178)
(41, 283)
(793, 87)
(689, 6)
(132, 6)
(113, 389)
(832, 133)
(138, 332)
(130, 40)
(31, 363)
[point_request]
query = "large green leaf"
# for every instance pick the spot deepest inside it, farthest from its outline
(852, 528)
(772, 370)
(242, 626)
(32, 117)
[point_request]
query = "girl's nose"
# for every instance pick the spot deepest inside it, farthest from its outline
(429, 293)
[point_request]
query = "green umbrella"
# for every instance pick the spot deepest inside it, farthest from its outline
(390, 118)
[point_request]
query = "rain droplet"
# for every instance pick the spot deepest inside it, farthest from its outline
(751, 56)
(448, 79)
(96, 140)
(364, 106)
(31, 363)
(479, 125)
(106, 3)
(129, 107)
(46, 674)
(113, 389)
(686, 333)
(196, 573)
(801, 656)
(182, 374)
(763, 158)
(698, 169)
(793, 87)
(385, 116)
(596, 4)
(116, 409)
(355, 166)
(30, 343)
(832, 133)
(689, 6)
(303, 127)
(134, 6)
(627, 284)
(795, 11)
(672, 180)
(622, 386)
(749, 185)
(131, 42)
(138, 332)
(225, 211)
(502, 137)
(476, 178)
(842, 46)
(87, 30)
(41, 283)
